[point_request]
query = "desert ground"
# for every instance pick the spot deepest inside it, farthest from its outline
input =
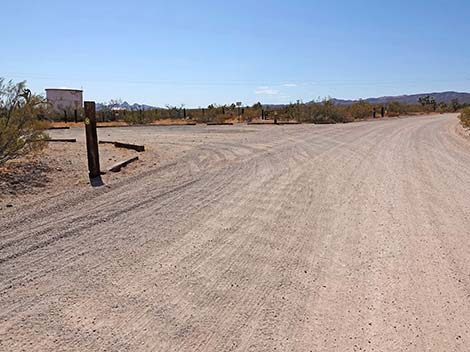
(348, 237)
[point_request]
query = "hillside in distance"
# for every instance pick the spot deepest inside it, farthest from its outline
(445, 97)
(124, 106)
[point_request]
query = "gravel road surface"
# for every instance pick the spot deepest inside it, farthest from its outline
(251, 238)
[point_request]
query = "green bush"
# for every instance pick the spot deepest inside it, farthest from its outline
(20, 131)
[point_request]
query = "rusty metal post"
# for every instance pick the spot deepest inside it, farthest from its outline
(92, 140)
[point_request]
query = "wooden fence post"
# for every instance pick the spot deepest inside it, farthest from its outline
(92, 140)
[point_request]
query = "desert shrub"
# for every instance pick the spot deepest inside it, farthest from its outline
(465, 117)
(172, 112)
(328, 112)
(361, 110)
(396, 109)
(411, 109)
(252, 113)
(220, 118)
(137, 118)
(20, 131)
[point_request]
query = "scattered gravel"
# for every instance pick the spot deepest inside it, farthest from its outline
(268, 238)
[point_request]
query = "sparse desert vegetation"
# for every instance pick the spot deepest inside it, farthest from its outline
(236, 230)
(24, 115)
(465, 117)
(21, 131)
(235, 176)
(322, 111)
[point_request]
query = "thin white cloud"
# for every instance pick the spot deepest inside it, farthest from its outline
(289, 85)
(267, 91)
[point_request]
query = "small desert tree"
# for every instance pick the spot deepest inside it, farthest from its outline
(424, 101)
(20, 131)
(428, 101)
(455, 104)
(433, 103)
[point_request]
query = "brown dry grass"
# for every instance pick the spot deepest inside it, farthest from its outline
(465, 118)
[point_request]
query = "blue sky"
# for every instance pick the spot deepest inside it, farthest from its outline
(201, 52)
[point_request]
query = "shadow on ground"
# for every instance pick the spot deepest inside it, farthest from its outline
(19, 177)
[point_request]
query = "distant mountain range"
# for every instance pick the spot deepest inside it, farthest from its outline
(445, 97)
(124, 106)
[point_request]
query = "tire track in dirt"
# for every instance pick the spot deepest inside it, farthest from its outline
(280, 240)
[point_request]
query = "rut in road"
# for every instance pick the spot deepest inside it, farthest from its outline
(300, 238)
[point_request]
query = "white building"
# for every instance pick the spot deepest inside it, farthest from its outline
(65, 99)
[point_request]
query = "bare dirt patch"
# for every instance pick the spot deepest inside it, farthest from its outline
(20, 176)
(59, 167)
(289, 238)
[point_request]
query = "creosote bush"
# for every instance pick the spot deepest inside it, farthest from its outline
(361, 110)
(20, 131)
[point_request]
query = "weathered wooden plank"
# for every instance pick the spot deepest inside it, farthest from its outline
(289, 123)
(148, 125)
(177, 124)
(118, 166)
(64, 140)
(58, 128)
(219, 124)
(261, 123)
(138, 148)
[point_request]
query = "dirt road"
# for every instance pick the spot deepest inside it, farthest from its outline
(256, 238)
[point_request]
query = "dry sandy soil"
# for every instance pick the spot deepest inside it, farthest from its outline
(250, 238)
